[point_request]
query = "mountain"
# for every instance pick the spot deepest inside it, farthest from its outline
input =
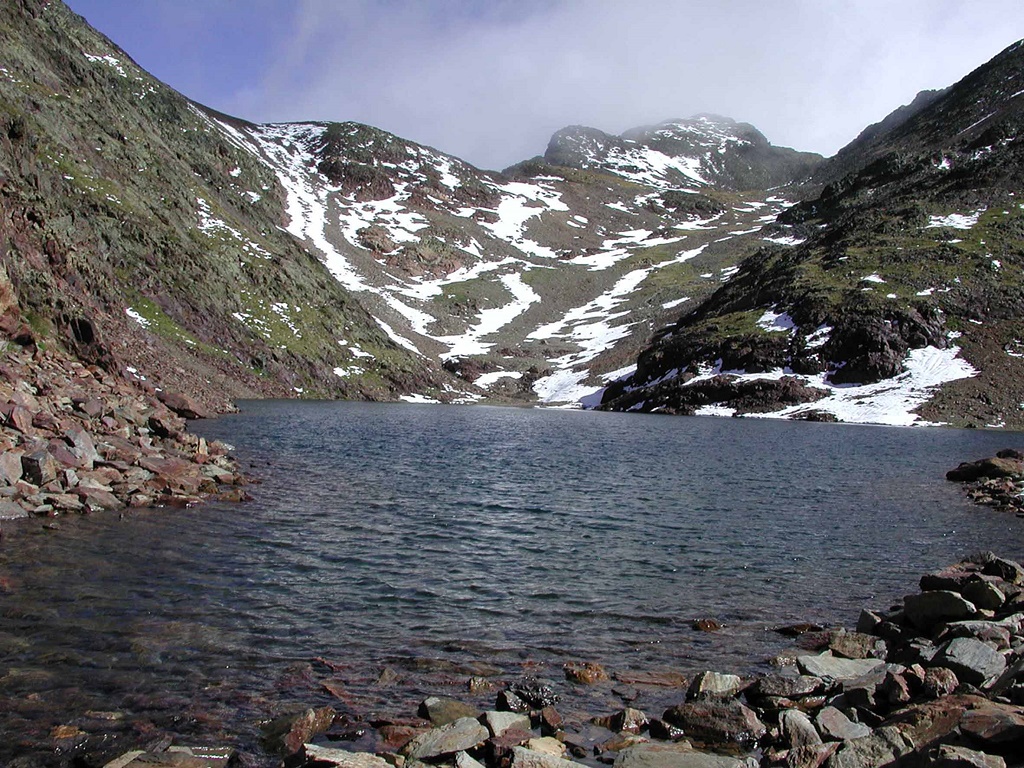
(900, 301)
(164, 240)
(705, 150)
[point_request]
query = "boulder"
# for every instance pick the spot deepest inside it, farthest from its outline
(949, 756)
(797, 729)
(462, 734)
(343, 758)
(585, 672)
(993, 633)
(537, 693)
(499, 722)
(465, 760)
(680, 755)
(993, 724)
(286, 735)
(984, 594)
(546, 745)
(972, 660)
(183, 405)
(441, 711)
(836, 726)
(628, 720)
(925, 610)
(708, 684)
(10, 467)
(11, 511)
(786, 686)
(969, 471)
(825, 665)
(881, 747)
(717, 721)
(857, 645)
(39, 467)
(527, 758)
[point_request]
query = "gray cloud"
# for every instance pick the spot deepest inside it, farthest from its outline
(490, 81)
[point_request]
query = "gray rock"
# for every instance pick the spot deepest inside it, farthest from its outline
(441, 711)
(984, 594)
(11, 511)
(499, 722)
(927, 609)
(949, 756)
(717, 721)
(527, 758)
(679, 755)
(714, 684)
(882, 747)
(83, 445)
(343, 758)
(857, 645)
(972, 660)
(10, 467)
(826, 665)
(39, 467)
(464, 760)
(836, 726)
(460, 735)
(787, 686)
(797, 729)
(811, 755)
(993, 633)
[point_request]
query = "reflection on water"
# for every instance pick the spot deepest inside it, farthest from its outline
(442, 543)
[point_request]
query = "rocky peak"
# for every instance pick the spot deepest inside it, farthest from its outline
(700, 151)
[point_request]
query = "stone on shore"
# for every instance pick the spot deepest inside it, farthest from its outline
(717, 721)
(462, 734)
(826, 665)
(797, 729)
(499, 722)
(527, 758)
(441, 711)
(926, 610)
(343, 758)
(679, 755)
(949, 756)
(708, 684)
(972, 660)
(836, 726)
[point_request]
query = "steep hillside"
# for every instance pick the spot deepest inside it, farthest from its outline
(152, 235)
(908, 279)
(144, 240)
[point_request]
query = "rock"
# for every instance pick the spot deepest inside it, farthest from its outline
(993, 633)
(464, 760)
(991, 467)
(286, 734)
(787, 686)
(707, 625)
(527, 758)
(628, 720)
(11, 511)
(183, 405)
(97, 498)
(546, 745)
(717, 721)
(939, 682)
(972, 660)
(795, 630)
(680, 755)
(881, 747)
(441, 711)
(949, 756)
(83, 445)
(585, 672)
(797, 729)
(177, 757)
(1007, 570)
(811, 755)
(857, 645)
(394, 736)
(825, 665)
(462, 734)
(499, 722)
(21, 419)
(39, 467)
(928, 609)
(708, 684)
(984, 594)
(343, 758)
(993, 724)
(534, 692)
(550, 721)
(10, 467)
(835, 726)
(509, 702)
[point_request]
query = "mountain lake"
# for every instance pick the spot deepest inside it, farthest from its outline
(395, 551)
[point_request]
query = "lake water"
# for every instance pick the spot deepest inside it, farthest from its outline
(433, 543)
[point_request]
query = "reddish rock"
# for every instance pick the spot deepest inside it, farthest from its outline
(183, 405)
(717, 722)
(585, 672)
(39, 467)
(21, 419)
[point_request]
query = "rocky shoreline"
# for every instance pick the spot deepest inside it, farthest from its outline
(76, 439)
(996, 481)
(935, 680)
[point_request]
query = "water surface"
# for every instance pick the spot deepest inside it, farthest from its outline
(439, 543)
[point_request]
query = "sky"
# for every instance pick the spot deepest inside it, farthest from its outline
(491, 80)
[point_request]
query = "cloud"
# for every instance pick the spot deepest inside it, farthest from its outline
(491, 81)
